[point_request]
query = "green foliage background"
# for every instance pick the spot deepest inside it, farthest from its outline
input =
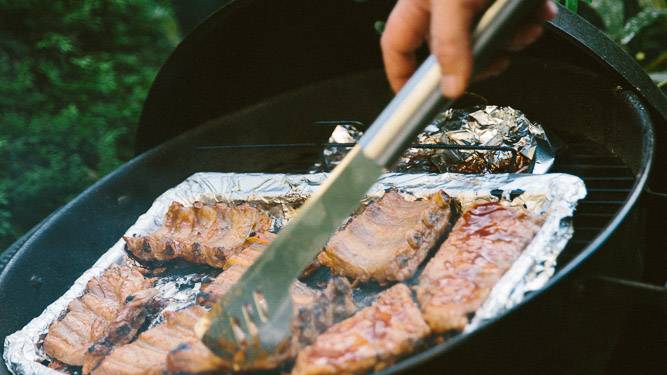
(74, 75)
(640, 26)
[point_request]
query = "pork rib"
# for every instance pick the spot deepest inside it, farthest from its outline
(177, 331)
(204, 233)
(89, 317)
(173, 347)
(371, 339)
(314, 312)
(234, 268)
(123, 329)
(389, 238)
(147, 355)
(481, 247)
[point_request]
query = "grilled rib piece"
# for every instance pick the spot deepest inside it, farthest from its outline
(204, 233)
(389, 238)
(327, 308)
(123, 329)
(234, 269)
(90, 316)
(314, 312)
(371, 339)
(481, 247)
(147, 355)
(172, 346)
(177, 331)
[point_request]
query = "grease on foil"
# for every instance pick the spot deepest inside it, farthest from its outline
(489, 126)
(553, 195)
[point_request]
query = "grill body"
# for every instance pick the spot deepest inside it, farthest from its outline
(71, 240)
(604, 133)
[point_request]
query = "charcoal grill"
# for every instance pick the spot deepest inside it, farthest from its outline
(263, 76)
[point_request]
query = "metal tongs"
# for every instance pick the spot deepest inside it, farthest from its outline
(252, 321)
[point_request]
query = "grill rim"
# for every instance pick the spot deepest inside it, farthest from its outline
(583, 255)
(638, 109)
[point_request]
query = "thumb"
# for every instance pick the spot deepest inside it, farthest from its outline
(451, 22)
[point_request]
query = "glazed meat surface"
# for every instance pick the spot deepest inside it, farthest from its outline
(147, 355)
(173, 346)
(234, 268)
(370, 340)
(389, 238)
(314, 311)
(334, 304)
(177, 331)
(481, 247)
(204, 233)
(89, 317)
(123, 329)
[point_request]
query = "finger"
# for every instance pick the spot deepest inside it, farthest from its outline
(548, 11)
(526, 36)
(403, 34)
(494, 69)
(450, 43)
(530, 33)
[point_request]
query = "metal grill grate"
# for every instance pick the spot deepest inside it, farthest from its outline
(358, 124)
(608, 180)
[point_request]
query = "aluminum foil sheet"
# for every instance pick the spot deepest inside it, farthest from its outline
(482, 125)
(552, 195)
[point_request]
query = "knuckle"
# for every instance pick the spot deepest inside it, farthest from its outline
(385, 41)
(446, 51)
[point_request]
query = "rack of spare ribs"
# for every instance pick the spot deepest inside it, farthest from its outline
(112, 327)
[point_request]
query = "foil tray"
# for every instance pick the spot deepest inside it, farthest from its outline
(513, 143)
(552, 195)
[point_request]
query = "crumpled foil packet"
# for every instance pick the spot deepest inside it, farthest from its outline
(524, 144)
(552, 195)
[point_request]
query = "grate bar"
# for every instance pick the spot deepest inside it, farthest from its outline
(607, 203)
(347, 145)
(593, 166)
(591, 229)
(591, 214)
(607, 178)
(340, 122)
(608, 190)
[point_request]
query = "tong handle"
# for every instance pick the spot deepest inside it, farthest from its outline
(420, 99)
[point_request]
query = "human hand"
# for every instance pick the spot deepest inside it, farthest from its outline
(447, 27)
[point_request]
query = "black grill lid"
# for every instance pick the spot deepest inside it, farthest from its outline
(250, 50)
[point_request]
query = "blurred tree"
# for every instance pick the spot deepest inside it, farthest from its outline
(640, 26)
(73, 78)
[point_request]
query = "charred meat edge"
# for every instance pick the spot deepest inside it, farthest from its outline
(204, 233)
(140, 308)
(89, 317)
(314, 312)
(370, 340)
